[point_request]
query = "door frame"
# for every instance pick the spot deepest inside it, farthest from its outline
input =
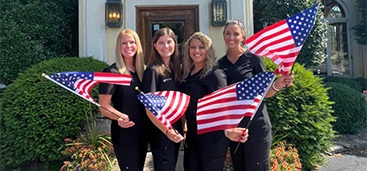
(147, 15)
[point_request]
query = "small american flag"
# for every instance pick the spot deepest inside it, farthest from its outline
(167, 106)
(226, 107)
(282, 41)
(81, 83)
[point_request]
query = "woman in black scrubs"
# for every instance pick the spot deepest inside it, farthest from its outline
(128, 129)
(162, 73)
(239, 64)
(204, 152)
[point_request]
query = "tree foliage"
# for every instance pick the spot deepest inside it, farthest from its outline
(360, 30)
(33, 31)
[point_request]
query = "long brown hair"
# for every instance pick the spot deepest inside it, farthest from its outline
(155, 59)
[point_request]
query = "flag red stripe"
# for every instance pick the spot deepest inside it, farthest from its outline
(222, 109)
(221, 127)
(112, 78)
(226, 117)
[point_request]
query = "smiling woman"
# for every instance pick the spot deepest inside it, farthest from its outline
(200, 77)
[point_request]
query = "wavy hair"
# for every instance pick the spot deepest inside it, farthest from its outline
(138, 57)
(210, 61)
(155, 59)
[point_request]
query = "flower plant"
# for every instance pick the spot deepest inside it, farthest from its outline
(285, 158)
(92, 150)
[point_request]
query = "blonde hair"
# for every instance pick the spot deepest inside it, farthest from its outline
(138, 57)
(188, 63)
(156, 60)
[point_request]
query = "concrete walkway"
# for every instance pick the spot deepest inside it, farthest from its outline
(349, 153)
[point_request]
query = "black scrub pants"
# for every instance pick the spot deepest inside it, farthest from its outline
(253, 155)
(164, 151)
(131, 157)
(206, 152)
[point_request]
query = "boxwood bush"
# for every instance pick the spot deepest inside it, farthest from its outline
(362, 82)
(350, 108)
(36, 114)
(352, 83)
(302, 115)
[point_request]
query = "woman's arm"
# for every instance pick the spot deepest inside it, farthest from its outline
(279, 84)
(111, 112)
(172, 134)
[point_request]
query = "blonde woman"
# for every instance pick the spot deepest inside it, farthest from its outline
(128, 129)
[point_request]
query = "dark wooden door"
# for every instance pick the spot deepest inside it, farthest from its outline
(183, 20)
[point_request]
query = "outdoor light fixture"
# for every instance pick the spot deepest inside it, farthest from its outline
(113, 13)
(219, 12)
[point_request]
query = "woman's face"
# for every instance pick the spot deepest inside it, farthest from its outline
(127, 46)
(197, 52)
(165, 46)
(233, 36)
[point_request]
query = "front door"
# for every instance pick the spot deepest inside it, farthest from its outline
(183, 20)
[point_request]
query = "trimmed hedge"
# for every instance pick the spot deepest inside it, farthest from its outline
(37, 114)
(362, 82)
(350, 108)
(301, 115)
(352, 83)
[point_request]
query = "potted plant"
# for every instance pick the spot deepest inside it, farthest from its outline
(92, 150)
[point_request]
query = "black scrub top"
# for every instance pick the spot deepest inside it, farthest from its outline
(153, 82)
(124, 99)
(196, 88)
(247, 66)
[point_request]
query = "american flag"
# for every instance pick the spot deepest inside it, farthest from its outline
(226, 107)
(81, 83)
(282, 41)
(167, 106)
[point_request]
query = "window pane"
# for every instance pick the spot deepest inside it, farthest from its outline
(335, 12)
(338, 48)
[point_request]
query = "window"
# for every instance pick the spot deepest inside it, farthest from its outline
(338, 57)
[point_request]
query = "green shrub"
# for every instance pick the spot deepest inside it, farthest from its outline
(343, 80)
(350, 108)
(36, 114)
(301, 115)
(33, 31)
(362, 82)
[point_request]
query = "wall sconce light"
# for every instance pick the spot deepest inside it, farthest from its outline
(219, 12)
(113, 13)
